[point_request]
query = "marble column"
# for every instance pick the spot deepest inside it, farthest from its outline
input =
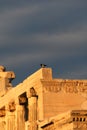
(10, 121)
(2, 119)
(10, 115)
(20, 122)
(3, 125)
(32, 107)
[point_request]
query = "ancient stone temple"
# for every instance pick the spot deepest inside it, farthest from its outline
(42, 102)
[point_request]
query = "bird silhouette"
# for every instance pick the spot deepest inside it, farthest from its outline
(43, 65)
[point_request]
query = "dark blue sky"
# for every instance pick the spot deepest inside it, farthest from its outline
(51, 32)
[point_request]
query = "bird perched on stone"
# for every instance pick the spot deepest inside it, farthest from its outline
(43, 65)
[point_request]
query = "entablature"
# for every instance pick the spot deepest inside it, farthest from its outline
(68, 86)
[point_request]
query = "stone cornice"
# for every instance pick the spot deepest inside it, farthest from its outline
(68, 86)
(56, 121)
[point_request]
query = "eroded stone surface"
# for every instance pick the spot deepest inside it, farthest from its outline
(42, 102)
(5, 80)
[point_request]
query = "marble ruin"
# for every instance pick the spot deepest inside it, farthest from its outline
(42, 102)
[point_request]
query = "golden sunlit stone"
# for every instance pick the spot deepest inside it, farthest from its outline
(42, 102)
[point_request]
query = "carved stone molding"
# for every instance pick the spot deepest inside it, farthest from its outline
(31, 93)
(69, 86)
(22, 100)
(71, 89)
(5, 80)
(59, 124)
(2, 112)
(79, 118)
(52, 88)
(83, 89)
(12, 106)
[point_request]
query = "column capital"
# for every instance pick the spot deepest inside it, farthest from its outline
(31, 93)
(11, 106)
(2, 112)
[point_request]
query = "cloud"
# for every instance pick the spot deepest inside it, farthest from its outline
(43, 16)
(52, 32)
(46, 46)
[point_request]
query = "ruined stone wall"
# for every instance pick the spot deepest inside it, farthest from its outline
(62, 95)
(61, 122)
(22, 106)
(38, 98)
(79, 118)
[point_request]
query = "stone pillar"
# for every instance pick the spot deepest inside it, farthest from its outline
(27, 125)
(10, 121)
(19, 113)
(33, 113)
(2, 125)
(10, 116)
(2, 118)
(32, 107)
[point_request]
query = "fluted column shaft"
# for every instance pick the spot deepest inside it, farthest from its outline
(20, 122)
(32, 106)
(10, 121)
